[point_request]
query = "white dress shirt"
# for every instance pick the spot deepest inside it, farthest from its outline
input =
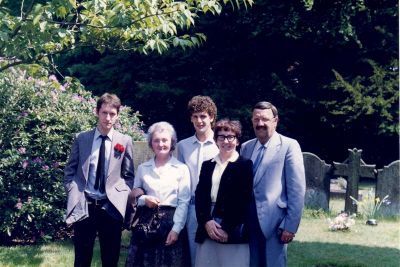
(170, 184)
(217, 173)
(188, 152)
(256, 149)
(94, 159)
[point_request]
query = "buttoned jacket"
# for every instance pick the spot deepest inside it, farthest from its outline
(279, 184)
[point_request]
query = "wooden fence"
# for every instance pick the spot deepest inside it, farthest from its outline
(319, 175)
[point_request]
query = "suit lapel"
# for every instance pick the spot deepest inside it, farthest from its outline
(87, 151)
(113, 159)
(248, 151)
(269, 154)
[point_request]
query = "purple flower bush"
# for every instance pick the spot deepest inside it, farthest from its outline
(38, 119)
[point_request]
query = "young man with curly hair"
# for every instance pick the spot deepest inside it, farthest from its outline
(194, 150)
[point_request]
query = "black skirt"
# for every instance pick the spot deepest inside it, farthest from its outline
(158, 254)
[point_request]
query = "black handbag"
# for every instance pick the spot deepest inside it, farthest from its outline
(151, 226)
(237, 234)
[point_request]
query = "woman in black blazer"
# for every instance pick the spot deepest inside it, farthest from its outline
(222, 199)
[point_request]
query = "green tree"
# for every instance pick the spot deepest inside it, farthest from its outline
(276, 51)
(366, 102)
(41, 30)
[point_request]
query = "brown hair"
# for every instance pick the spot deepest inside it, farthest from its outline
(266, 105)
(228, 125)
(109, 99)
(201, 103)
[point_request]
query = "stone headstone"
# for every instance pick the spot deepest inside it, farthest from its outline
(388, 183)
(318, 182)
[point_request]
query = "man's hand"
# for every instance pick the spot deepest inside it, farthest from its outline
(287, 237)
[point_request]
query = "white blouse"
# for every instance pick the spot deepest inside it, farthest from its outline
(217, 173)
(170, 184)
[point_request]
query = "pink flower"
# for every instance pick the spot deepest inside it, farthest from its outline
(45, 168)
(19, 204)
(53, 78)
(56, 164)
(40, 83)
(22, 150)
(78, 98)
(37, 160)
(25, 164)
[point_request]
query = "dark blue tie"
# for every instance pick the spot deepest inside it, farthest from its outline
(100, 173)
(258, 159)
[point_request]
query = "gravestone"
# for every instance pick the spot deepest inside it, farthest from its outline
(318, 182)
(388, 183)
(141, 153)
(353, 168)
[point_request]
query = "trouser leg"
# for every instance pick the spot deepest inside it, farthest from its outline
(257, 240)
(84, 237)
(191, 226)
(110, 231)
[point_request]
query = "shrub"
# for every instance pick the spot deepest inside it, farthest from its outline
(38, 119)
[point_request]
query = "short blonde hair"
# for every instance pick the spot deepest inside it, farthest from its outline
(160, 127)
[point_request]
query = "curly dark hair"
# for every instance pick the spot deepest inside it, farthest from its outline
(201, 103)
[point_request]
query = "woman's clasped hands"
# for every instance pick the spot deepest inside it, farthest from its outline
(215, 231)
(151, 202)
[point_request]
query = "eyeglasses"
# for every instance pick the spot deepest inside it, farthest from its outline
(222, 138)
(264, 120)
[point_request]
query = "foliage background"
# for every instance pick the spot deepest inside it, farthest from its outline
(39, 117)
(332, 71)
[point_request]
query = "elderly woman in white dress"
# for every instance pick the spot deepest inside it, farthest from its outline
(166, 185)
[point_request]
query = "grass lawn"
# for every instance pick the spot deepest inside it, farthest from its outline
(364, 245)
(58, 254)
(314, 245)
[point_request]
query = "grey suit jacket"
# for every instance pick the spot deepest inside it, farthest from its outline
(279, 184)
(119, 177)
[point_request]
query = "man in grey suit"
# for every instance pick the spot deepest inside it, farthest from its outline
(98, 178)
(278, 188)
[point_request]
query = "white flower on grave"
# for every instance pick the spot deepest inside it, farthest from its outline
(342, 222)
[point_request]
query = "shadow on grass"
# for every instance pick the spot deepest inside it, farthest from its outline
(32, 255)
(320, 254)
(51, 254)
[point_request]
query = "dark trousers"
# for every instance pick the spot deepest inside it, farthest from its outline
(109, 231)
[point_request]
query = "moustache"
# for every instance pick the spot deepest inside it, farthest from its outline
(261, 128)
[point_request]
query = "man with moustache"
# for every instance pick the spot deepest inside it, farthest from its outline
(278, 188)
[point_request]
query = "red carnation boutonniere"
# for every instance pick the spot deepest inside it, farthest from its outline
(119, 148)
